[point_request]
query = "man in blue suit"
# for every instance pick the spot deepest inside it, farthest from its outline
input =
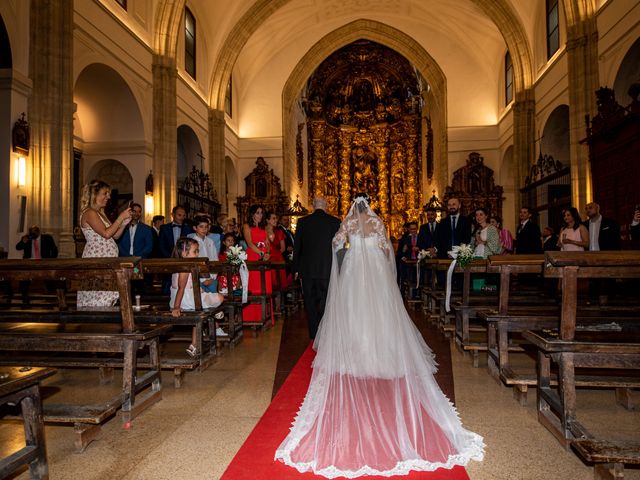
(141, 246)
(171, 232)
(142, 236)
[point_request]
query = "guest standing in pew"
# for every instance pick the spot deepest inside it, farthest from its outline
(453, 230)
(182, 290)
(506, 239)
(485, 240)
(255, 237)
(277, 247)
(137, 241)
(207, 249)
(549, 240)
(528, 234)
(168, 236)
(604, 234)
(312, 259)
(634, 227)
(156, 223)
(101, 238)
(36, 246)
(408, 249)
(427, 233)
(574, 236)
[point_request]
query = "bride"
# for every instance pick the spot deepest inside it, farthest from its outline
(373, 406)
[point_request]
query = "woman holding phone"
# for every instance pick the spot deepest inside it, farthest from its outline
(101, 236)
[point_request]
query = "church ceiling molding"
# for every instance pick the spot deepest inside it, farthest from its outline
(499, 11)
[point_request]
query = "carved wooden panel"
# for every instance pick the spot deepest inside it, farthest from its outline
(262, 187)
(475, 187)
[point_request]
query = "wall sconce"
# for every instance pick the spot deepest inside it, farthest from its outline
(148, 194)
(21, 172)
(20, 140)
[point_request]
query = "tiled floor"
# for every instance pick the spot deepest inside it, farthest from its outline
(194, 432)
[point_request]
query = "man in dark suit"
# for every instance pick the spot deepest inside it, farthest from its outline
(142, 236)
(312, 258)
(408, 250)
(171, 232)
(453, 230)
(604, 233)
(528, 236)
(288, 236)
(36, 245)
(549, 240)
(427, 234)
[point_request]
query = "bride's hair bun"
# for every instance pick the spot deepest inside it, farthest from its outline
(363, 195)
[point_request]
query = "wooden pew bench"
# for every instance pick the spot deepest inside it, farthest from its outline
(609, 458)
(263, 298)
(87, 345)
(603, 353)
(20, 386)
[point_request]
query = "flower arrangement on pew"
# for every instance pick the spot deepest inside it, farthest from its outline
(422, 254)
(237, 257)
(463, 254)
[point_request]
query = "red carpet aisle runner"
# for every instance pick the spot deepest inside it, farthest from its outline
(255, 460)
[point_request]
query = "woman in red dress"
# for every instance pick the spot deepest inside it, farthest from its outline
(257, 249)
(276, 241)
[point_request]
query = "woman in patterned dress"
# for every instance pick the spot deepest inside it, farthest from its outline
(101, 237)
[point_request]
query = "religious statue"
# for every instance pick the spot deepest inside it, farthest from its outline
(364, 176)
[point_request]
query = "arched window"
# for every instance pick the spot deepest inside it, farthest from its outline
(228, 99)
(508, 79)
(553, 28)
(189, 43)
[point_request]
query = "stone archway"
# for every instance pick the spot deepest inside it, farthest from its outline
(189, 152)
(628, 73)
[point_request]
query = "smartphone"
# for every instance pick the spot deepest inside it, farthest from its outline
(130, 204)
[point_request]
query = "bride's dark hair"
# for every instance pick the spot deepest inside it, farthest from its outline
(360, 207)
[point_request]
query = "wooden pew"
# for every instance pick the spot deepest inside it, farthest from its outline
(232, 305)
(262, 298)
(20, 386)
(519, 314)
(571, 349)
(32, 343)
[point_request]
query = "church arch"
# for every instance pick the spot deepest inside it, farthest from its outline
(189, 152)
(107, 109)
(627, 74)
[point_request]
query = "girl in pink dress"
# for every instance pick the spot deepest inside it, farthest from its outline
(257, 249)
(574, 237)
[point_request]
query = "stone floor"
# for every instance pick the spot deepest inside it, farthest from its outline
(194, 432)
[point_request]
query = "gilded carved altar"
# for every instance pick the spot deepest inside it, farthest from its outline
(363, 112)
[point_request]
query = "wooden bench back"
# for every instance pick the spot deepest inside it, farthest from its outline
(120, 269)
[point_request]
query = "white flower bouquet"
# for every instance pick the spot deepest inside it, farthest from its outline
(236, 255)
(422, 254)
(463, 253)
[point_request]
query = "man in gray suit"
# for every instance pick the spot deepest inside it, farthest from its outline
(312, 258)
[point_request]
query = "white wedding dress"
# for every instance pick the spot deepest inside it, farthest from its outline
(373, 406)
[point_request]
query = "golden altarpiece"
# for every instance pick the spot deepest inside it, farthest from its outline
(363, 117)
(262, 187)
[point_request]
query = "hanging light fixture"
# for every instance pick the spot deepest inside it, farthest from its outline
(296, 211)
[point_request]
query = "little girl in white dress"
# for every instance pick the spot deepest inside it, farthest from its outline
(182, 286)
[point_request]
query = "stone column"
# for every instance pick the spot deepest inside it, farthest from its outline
(217, 153)
(165, 133)
(582, 56)
(51, 119)
(524, 109)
